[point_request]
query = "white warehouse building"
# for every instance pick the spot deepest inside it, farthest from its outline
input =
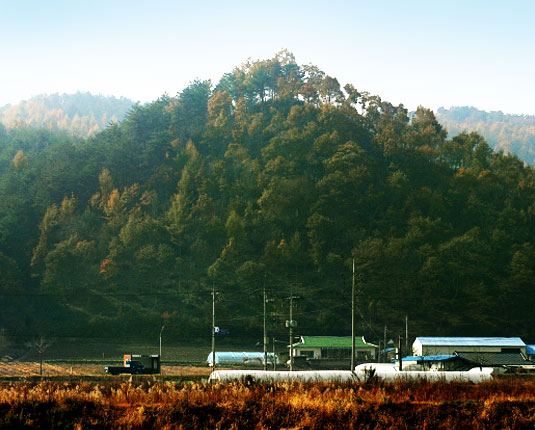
(425, 346)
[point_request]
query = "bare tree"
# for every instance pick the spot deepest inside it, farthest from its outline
(39, 344)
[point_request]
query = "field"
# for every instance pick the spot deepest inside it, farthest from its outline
(74, 392)
(10, 370)
(143, 403)
(80, 357)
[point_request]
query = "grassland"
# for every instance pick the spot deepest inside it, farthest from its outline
(146, 403)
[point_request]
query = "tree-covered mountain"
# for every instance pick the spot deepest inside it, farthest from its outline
(513, 134)
(275, 178)
(80, 114)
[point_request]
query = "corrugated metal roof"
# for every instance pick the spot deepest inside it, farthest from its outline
(332, 342)
(530, 349)
(428, 358)
(471, 341)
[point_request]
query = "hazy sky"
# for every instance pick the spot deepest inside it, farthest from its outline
(433, 53)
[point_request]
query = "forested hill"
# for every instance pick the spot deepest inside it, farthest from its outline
(275, 178)
(511, 133)
(80, 114)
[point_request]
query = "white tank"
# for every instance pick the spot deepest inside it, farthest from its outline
(391, 372)
(282, 376)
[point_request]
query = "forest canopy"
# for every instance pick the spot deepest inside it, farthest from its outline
(275, 177)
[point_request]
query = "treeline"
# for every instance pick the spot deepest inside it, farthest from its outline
(80, 114)
(275, 178)
(513, 134)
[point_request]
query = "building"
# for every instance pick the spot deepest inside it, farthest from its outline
(502, 362)
(431, 346)
(333, 348)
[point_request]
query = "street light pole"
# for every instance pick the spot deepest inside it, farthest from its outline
(163, 326)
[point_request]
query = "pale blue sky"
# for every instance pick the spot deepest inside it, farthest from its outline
(433, 53)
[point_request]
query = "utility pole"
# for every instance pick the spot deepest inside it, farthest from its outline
(291, 324)
(384, 346)
(213, 327)
(353, 319)
(274, 361)
(400, 353)
(291, 333)
(265, 327)
(379, 352)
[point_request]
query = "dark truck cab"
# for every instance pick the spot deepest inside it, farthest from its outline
(136, 365)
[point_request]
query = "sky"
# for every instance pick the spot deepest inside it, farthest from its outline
(432, 53)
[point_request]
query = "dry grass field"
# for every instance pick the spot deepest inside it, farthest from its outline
(148, 404)
(16, 369)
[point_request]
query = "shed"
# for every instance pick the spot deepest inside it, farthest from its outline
(506, 360)
(431, 362)
(449, 345)
(530, 351)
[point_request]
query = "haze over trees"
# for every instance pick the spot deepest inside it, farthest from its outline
(509, 133)
(275, 176)
(80, 114)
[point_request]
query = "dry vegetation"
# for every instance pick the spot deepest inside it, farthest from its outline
(27, 369)
(508, 404)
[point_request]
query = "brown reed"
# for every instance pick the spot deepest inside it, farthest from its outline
(502, 404)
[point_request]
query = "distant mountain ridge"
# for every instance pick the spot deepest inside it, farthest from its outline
(81, 114)
(84, 114)
(513, 134)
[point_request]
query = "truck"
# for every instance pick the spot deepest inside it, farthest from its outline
(136, 365)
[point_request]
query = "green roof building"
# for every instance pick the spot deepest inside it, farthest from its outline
(333, 348)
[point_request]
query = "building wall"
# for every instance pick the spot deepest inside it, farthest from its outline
(317, 353)
(305, 352)
(449, 350)
(419, 349)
